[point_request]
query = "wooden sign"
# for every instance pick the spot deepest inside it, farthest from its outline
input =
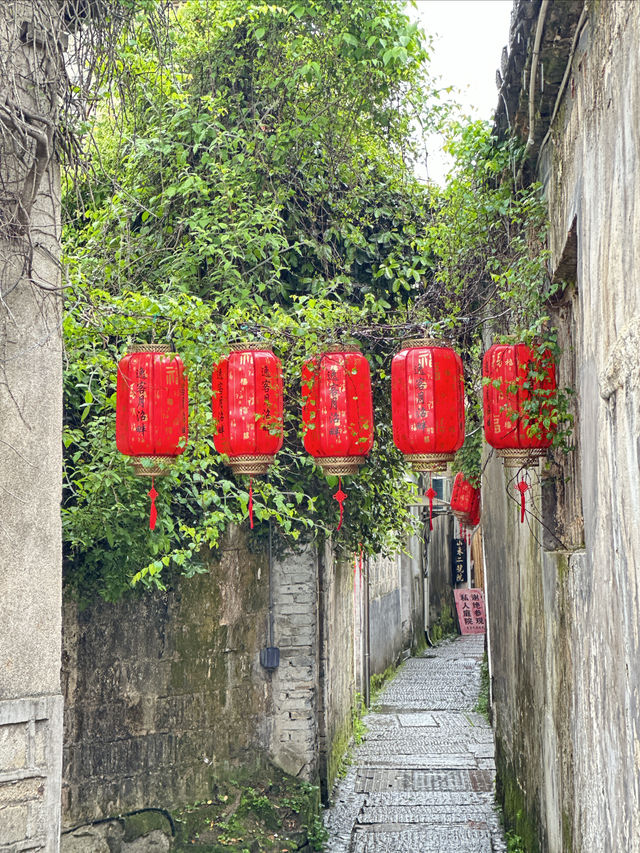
(470, 607)
(458, 561)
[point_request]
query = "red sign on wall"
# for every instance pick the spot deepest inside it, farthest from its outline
(470, 607)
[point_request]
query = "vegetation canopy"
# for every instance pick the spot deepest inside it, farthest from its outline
(251, 176)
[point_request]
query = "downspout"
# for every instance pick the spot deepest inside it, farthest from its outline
(532, 83)
(365, 618)
(567, 71)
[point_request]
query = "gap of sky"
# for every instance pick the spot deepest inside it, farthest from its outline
(468, 37)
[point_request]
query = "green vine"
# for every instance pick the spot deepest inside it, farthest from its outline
(254, 180)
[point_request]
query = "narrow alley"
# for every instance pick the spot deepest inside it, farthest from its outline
(423, 779)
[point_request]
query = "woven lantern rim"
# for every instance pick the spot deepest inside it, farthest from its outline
(254, 346)
(342, 348)
(161, 348)
(414, 343)
(340, 466)
(525, 457)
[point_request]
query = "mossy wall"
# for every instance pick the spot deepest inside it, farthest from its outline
(165, 692)
(337, 675)
(564, 616)
(442, 619)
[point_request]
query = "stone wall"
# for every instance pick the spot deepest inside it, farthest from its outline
(385, 611)
(337, 685)
(564, 617)
(166, 692)
(30, 453)
(441, 608)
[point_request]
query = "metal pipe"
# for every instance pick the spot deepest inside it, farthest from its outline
(425, 576)
(532, 84)
(271, 625)
(366, 656)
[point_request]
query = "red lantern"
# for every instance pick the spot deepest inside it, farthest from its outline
(152, 411)
(518, 439)
(247, 408)
(465, 501)
(337, 412)
(505, 368)
(427, 404)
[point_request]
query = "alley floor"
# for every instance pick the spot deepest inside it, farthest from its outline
(423, 779)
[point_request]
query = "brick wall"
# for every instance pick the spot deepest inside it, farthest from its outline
(294, 725)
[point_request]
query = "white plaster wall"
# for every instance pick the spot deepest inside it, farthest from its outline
(565, 636)
(30, 474)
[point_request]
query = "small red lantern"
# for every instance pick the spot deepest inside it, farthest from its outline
(427, 404)
(337, 412)
(508, 386)
(465, 501)
(152, 411)
(247, 406)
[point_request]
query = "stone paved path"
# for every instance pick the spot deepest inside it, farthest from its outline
(422, 781)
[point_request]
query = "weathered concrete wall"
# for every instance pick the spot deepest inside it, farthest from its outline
(166, 692)
(441, 613)
(564, 634)
(337, 686)
(385, 611)
(30, 452)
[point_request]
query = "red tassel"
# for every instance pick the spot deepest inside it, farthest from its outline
(153, 512)
(251, 502)
(340, 497)
(431, 493)
(522, 486)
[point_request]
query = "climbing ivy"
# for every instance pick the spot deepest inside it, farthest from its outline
(253, 178)
(252, 181)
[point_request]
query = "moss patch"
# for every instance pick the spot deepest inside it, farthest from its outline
(379, 679)
(446, 626)
(142, 823)
(482, 705)
(275, 812)
(339, 757)
(521, 826)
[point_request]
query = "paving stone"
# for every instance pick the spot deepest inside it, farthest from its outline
(449, 799)
(433, 761)
(440, 815)
(422, 781)
(370, 779)
(413, 720)
(426, 840)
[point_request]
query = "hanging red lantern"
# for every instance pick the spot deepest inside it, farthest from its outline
(465, 501)
(247, 406)
(337, 412)
(427, 404)
(152, 411)
(508, 386)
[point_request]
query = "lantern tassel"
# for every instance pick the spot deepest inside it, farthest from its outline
(340, 496)
(431, 493)
(251, 502)
(153, 512)
(522, 487)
